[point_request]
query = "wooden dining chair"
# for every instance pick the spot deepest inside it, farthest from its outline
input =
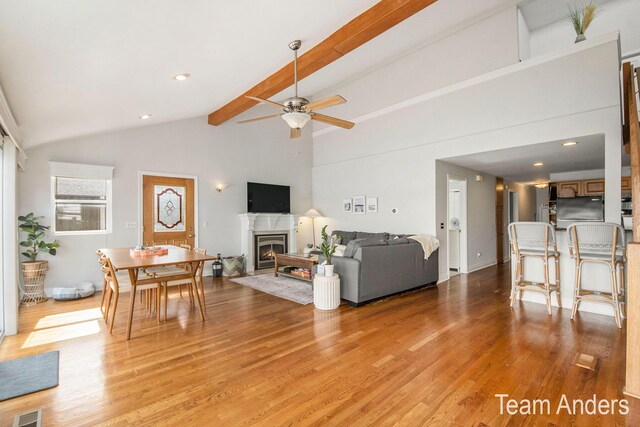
(167, 285)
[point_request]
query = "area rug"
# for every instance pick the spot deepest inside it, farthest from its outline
(28, 374)
(281, 287)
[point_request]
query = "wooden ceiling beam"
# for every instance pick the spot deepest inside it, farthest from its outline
(374, 21)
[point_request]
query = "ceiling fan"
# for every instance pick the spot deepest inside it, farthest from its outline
(297, 111)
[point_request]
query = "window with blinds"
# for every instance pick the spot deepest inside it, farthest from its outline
(82, 205)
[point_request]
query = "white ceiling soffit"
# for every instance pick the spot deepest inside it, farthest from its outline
(516, 164)
(86, 66)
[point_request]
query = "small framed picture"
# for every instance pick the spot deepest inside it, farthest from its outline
(372, 205)
(347, 205)
(359, 205)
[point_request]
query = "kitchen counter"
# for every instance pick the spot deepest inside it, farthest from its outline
(594, 277)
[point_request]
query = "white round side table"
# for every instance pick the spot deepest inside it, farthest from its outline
(326, 292)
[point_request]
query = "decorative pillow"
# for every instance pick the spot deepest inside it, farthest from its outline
(398, 241)
(354, 245)
(345, 236)
(377, 236)
(340, 250)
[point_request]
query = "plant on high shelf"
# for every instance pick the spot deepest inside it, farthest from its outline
(35, 245)
(581, 18)
(328, 248)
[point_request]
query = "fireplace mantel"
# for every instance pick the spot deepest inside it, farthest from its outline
(263, 223)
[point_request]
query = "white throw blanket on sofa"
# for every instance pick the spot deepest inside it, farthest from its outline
(429, 243)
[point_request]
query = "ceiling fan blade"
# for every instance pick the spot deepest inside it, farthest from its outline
(259, 118)
(266, 101)
(296, 132)
(324, 103)
(332, 121)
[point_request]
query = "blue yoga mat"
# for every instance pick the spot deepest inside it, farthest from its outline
(28, 374)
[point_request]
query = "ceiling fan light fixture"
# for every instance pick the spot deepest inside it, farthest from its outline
(296, 120)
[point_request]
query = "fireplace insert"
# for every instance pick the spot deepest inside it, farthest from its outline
(267, 246)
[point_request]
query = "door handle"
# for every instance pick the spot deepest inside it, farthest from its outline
(191, 236)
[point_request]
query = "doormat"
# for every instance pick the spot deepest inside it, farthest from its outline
(28, 374)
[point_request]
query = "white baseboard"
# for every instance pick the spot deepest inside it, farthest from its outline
(443, 278)
(482, 265)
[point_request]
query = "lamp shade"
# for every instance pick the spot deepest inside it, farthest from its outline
(296, 120)
(312, 213)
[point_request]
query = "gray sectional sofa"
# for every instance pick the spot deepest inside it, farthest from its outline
(376, 265)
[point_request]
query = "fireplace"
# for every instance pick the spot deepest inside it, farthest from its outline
(267, 246)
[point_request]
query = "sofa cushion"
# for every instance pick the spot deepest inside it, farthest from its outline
(345, 236)
(355, 244)
(398, 236)
(398, 241)
(377, 236)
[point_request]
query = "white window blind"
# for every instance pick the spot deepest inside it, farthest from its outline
(81, 198)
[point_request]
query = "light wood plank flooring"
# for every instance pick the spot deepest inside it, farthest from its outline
(432, 357)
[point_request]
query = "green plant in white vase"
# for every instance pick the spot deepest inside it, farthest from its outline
(328, 248)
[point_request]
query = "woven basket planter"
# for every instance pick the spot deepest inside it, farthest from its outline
(34, 274)
(233, 266)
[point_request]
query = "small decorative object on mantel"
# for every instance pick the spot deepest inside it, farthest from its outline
(582, 18)
(35, 271)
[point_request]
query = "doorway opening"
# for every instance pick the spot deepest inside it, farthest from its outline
(456, 225)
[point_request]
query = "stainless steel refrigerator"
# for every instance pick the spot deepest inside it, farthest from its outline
(579, 209)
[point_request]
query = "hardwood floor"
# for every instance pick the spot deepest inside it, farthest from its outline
(432, 357)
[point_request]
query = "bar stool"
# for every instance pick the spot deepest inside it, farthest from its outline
(534, 240)
(599, 243)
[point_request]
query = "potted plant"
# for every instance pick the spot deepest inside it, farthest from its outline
(34, 269)
(581, 19)
(328, 248)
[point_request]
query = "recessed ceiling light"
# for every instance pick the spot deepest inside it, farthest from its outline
(182, 76)
(570, 143)
(538, 164)
(145, 116)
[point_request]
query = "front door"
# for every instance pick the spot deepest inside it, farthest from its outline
(167, 211)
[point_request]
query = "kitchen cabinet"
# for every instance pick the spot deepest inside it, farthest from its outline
(626, 183)
(593, 187)
(574, 185)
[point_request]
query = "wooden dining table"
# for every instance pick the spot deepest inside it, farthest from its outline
(122, 259)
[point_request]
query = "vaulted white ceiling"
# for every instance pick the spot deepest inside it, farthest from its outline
(76, 67)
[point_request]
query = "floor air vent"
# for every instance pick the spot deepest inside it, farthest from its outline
(28, 419)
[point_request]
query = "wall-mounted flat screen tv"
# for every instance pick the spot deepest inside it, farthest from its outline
(268, 198)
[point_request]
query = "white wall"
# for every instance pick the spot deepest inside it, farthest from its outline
(524, 37)
(487, 45)
(614, 15)
(230, 153)
(391, 153)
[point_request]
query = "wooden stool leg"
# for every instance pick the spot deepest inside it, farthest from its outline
(576, 290)
(614, 296)
(558, 295)
(547, 285)
(115, 308)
